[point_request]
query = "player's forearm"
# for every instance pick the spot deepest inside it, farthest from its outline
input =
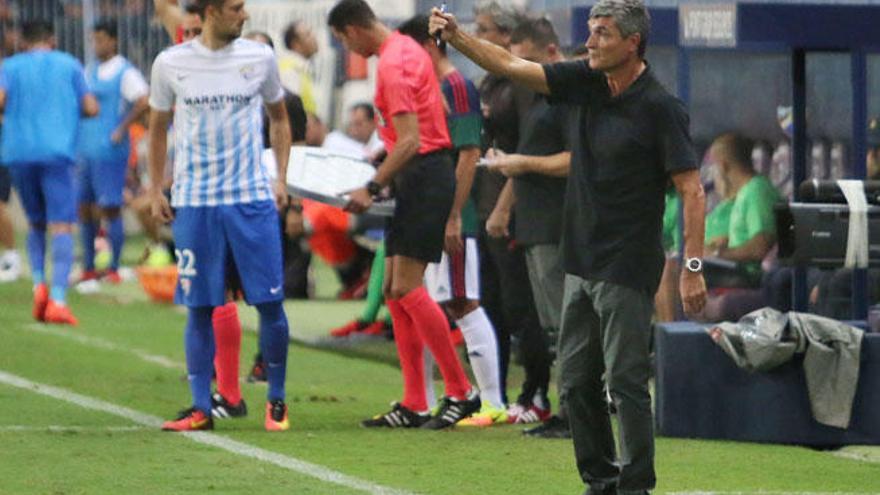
(753, 250)
(465, 170)
(552, 165)
(136, 113)
(279, 138)
(156, 153)
(405, 149)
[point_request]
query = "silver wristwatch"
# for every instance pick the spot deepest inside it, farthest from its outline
(694, 265)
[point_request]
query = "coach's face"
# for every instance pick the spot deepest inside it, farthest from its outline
(229, 19)
(607, 47)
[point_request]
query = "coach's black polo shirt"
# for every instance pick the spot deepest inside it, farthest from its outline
(539, 197)
(623, 150)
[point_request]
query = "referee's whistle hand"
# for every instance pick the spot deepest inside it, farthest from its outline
(359, 201)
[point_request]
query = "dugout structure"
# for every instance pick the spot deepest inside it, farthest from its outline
(771, 406)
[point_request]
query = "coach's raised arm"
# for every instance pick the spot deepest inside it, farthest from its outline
(489, 56)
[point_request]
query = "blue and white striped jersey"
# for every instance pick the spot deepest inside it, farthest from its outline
(217, 97)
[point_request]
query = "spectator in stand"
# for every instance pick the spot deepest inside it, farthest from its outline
(740, 230)
(752, 227)
(295, 67)
(360, 138)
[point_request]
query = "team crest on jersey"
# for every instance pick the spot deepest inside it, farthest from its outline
(248, 72)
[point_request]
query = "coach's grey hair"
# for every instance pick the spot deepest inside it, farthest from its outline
(506, 18)
(631, 17)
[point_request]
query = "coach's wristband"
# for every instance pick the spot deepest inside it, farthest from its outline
(374, 188)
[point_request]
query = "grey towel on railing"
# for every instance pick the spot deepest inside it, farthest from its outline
(766, 338)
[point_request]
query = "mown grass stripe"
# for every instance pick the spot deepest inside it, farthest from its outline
(205, 438)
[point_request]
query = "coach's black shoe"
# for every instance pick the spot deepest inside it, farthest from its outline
(452, 411)
(398, 417)
(221, 408)
(554, 427)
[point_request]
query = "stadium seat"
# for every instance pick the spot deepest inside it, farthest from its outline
(701, 393)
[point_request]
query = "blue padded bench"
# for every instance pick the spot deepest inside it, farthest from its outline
(700, 393)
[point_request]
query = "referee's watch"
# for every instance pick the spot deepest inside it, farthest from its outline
(694, 265)
(374, 188)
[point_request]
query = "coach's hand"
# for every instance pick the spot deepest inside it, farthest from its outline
(692, 288)
(507, 165)
(279, 189)
(359, 201)
(444, 23)
(160, 208)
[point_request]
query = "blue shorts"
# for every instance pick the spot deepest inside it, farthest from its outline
(47, 191)
(102, 182)
(213, 240)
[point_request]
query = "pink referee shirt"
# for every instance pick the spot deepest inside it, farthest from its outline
(407, 84)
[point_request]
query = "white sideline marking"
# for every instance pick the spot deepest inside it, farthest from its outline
(771, 493)
(65, 429)
(203, 437)
(855, 456)
(100, 343)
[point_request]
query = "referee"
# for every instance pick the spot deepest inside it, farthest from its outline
(412, 124)
(632, 138)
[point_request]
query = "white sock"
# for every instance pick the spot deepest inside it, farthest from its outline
(430, 393)
(538, 399)
(482, 349)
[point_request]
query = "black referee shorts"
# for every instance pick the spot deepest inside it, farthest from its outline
(423, 193)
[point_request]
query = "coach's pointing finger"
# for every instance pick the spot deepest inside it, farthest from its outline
(443, 23)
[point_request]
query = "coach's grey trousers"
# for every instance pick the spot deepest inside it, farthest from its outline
(606, 330)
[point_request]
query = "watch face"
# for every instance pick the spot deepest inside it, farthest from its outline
(694, 264)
